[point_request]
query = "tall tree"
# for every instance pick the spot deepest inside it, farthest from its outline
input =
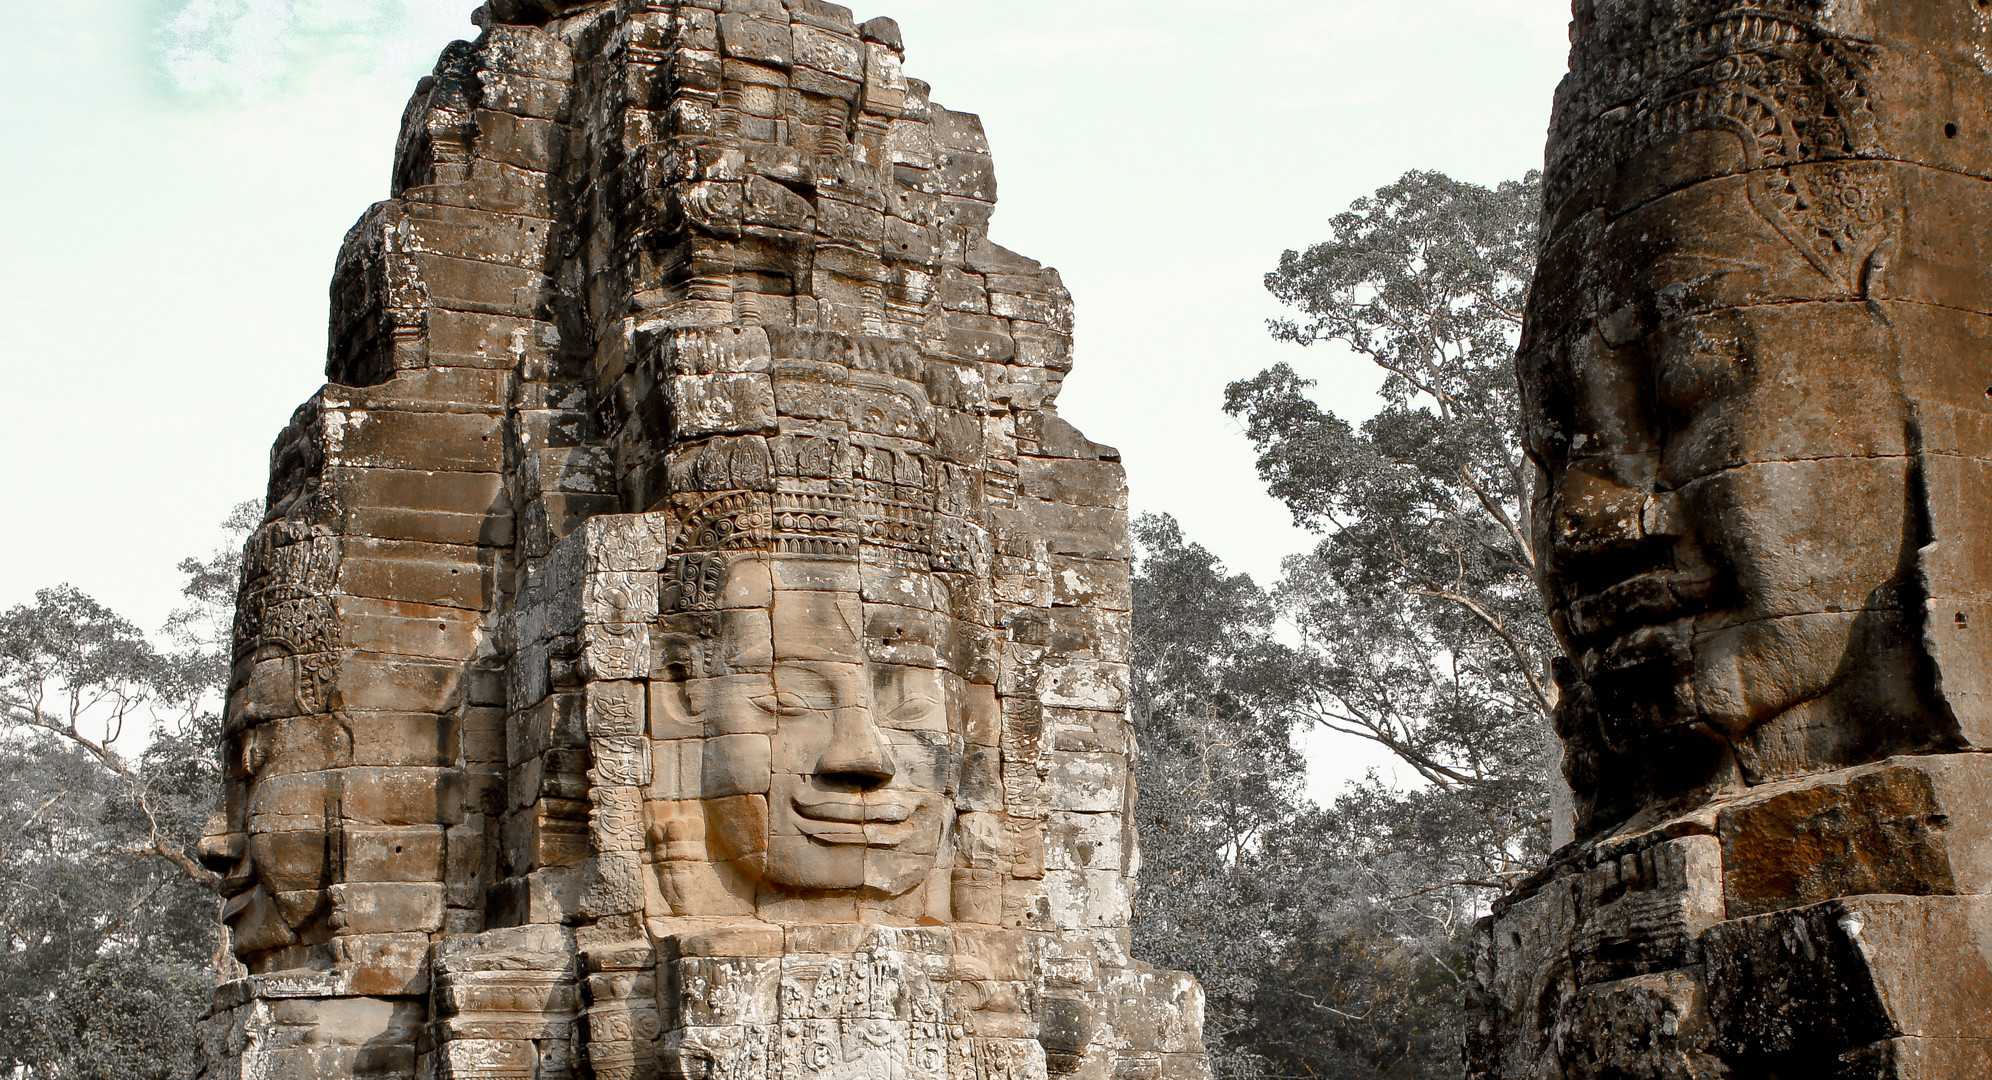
(1218, 776)
(1262, 895)
(108, 935)
(1330, 938)
(74, 672)
(1422, 626)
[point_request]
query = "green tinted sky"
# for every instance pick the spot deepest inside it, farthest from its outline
(179, 173)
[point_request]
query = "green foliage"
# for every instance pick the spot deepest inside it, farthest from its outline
(90, 926)
(1347, 1001)
(1207, 666)
(1217, 775)
(75, 674)
(1266, 898)
(108, 935)
(124, 1017)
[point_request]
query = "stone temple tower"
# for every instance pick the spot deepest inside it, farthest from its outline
(684, 639)
(1757, 375)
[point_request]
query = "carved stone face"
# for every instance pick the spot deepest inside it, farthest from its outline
(1755, 377)
(1702, 484)
(249, 908)
(823, 769)
(272, 857)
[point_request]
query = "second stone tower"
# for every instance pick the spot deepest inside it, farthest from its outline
(684, 639)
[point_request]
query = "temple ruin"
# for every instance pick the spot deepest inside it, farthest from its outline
(684, 639)
(1757, 375)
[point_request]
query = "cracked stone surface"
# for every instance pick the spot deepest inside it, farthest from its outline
(684, 640)
(1757, 379)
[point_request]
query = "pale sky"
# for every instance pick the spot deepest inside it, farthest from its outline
(180, 172)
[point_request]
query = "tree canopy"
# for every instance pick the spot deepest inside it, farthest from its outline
(1331, 939)
(109, 940)
(1423, 626)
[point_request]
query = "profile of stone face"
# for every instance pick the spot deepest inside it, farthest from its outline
(684, 638)
(1754, 381)
(1756, 378)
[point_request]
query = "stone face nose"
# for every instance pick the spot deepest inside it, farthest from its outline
(222, 848)
(857, 754)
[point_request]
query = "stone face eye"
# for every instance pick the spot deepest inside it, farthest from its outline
(783, 703)
(911, 709)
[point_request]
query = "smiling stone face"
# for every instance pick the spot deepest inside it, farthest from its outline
(1754, 375)
(813, 736)
(826, 772)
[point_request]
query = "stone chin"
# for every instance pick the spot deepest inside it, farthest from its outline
(256, 923)
(1734, 628)
(805, 864)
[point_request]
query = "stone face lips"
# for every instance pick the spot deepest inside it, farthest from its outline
(1755, 377)
(684, 639)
